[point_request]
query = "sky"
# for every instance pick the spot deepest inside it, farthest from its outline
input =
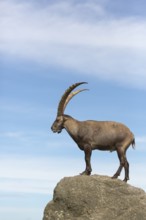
(46, 46)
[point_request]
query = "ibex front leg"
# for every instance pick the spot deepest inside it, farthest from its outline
(88, 152)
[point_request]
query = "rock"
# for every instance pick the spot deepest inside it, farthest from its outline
(96, 198)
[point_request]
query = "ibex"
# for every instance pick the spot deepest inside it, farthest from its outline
(90, 135)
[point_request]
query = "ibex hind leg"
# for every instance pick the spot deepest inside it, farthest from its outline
(126, 164)
(121, 151)
(126, 167)
(115, 176)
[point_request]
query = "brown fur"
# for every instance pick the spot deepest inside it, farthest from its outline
(102, 135)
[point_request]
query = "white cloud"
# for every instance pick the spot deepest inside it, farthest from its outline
(11, 134)
(21, 174)
(141, 143)
(64, 34)
(22, 212)
(141, 139)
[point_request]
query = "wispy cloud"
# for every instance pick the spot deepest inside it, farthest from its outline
(141, 139)
(39, 175)
(20, 174)
(58, 34)
(141, 143)
(11, 134)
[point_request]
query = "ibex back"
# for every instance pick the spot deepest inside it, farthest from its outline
(90, 135)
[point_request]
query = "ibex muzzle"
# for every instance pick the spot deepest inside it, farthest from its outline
(57, 126)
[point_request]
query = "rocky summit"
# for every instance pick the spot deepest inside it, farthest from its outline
(96, 198)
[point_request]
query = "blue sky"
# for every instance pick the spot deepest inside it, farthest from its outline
(45, 46)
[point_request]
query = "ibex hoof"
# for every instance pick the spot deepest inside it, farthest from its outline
(87, 173)
(125, 180)
(114, 177)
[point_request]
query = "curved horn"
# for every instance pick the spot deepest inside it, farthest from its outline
(71, 95)
(64, 97)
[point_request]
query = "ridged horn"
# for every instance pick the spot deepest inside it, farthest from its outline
(71, 95)
(65, 96)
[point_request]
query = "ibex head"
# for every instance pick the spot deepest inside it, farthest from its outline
(58, 124)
